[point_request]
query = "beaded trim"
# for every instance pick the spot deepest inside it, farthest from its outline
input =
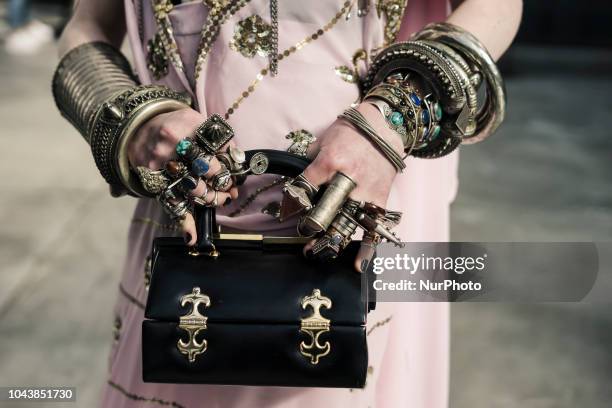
(249, 200)
(135, 397)
(393, 11)
(131, 298)
(155, 224)
(379, 324)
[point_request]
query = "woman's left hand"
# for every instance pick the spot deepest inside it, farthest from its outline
(342, 148)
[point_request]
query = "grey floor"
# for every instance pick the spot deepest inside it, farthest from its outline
(545, 176)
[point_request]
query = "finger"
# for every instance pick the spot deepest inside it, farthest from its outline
(223, 199)
(313, 149)
(364, 256)
(308, 247)
(188, 228)
(378, 196)
(319, 172)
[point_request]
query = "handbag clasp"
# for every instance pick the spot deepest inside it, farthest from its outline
(315, 325)
(193, 322)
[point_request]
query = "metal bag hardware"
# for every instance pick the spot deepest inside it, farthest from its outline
(193, 322)
(315, 325)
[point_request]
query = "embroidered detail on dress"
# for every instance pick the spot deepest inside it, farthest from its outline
(346, 74)
(301, 140)
(351, 75)
(135, 397)
(252, 36)
(157, 61)
(289, 51)
(130, 297)
(272, 209)
(379, 324)
(147, 272)
(249, 200)
(155, 224)
(393, 11)
(117, 329)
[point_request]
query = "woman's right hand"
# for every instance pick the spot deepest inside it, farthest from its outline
(154, 145)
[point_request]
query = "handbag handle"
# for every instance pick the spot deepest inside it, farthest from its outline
(280, 162)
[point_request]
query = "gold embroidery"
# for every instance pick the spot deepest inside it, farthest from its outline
(351, 75)
(130, 297)
(117, 329)
(155, 224)
(346, 74)
(393, 11)
(379, 324)
(272, 209)
(252, 36)
(157, 60)
(249, 200)
(286, 53)
(135, 397)
(147, 272)
(301, 140)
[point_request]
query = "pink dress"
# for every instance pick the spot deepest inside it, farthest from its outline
(409, 342)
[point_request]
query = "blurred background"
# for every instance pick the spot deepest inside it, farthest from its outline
(546, 176)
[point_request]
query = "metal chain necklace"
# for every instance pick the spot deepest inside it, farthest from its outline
(163, 46)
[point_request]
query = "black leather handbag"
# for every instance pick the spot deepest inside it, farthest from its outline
(252, 310)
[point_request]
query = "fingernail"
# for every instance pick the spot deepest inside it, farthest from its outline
(364, 265)
(228, 200)
(187, 238)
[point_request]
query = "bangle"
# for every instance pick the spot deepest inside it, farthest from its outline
(117, 121)
(452, 64)
(393, 118)
(407, 104)
(354, 117)
(492, 114)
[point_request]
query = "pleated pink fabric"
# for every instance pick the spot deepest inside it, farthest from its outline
(408, 342)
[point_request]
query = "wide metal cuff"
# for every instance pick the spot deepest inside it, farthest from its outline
(85, 78)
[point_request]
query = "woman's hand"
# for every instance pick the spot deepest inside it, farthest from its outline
(344, 149)
(154, 145)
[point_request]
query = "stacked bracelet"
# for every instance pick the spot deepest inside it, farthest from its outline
(95, 90)
(354, 117)
(451, 65)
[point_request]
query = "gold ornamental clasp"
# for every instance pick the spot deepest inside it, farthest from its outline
(315, 325)
(193, 322)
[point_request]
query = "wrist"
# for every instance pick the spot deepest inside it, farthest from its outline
(380, 125)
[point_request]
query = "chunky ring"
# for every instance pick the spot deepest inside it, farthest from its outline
(302, 182)
(222, 180)
(213, 134)
(336, 238)
(201, 200)
(153, 181)
(235, 160)
(201, 164)
(187, 149)
(321, 216)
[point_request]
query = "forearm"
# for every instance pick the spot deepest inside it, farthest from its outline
(95, 89)
(493, 22)
(94, 20)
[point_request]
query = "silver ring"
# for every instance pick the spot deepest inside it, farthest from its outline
(222, 180)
